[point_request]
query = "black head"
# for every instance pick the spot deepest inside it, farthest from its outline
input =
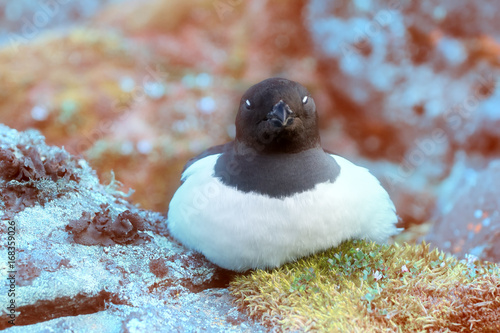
(277, 116)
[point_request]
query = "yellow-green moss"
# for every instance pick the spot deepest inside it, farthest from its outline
(365, 287)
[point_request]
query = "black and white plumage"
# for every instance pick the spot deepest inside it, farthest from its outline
(273, 194)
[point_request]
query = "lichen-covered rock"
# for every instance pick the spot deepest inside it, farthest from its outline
(29, 177)
(126, 272)
(210, 310)
(467, 215)
(411, 85)
(126, 228)
(398, 71)
(123, 110)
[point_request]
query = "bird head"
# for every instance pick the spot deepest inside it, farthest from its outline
(277, 116)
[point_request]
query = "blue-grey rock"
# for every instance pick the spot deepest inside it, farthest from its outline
(467, 214)
(411, 83)
(63, 285)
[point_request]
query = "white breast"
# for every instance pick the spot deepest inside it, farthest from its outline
(240, 231)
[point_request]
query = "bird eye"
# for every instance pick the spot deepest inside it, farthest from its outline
(247, 102)
(305, 99)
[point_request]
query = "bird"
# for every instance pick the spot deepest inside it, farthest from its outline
(273, 194)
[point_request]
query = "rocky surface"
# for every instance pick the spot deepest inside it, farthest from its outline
(412, 86)
(144, 280)
(121, 109)
(467, 215)
(403, 77)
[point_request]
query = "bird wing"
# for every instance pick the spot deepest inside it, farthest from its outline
(210, 151)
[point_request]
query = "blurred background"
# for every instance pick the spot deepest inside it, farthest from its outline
(408, 89)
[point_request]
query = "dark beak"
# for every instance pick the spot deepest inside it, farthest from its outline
(281, 115)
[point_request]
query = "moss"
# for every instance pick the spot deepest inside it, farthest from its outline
(366, 287)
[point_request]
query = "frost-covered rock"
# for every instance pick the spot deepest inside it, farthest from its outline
(142, 280)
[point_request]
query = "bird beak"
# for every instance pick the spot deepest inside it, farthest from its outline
(281, 115)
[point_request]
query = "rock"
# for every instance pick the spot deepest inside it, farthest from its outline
(25, 21)
(125, 275)
(410, 86)
(411, 189)
(467, 215)
(435, 80)
(209, 310)
(123, 110)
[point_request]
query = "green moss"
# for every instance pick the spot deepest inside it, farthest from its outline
(366, 287)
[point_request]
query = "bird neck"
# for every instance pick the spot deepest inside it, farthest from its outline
(242, 148)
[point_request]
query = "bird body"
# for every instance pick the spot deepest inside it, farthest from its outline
(273, 195)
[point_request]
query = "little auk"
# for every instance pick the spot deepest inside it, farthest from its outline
(273, 194)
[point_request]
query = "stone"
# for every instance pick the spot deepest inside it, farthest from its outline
(410, 86)
(467, 213)
(133, 280)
